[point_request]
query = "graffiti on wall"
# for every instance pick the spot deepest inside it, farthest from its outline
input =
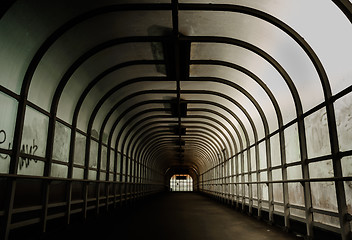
(28, 149)
(3, 140)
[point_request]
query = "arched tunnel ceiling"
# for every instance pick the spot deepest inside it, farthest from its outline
(184, 83)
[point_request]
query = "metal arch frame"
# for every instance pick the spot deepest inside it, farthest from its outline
(158, 117)
(108, 94)
(139, 151)
(157, 137)
(162, 140)
(188, 117)
(52, 127)
(85, 16)
(143, 103)
(340, 192)
(85, 93)
(210, 140)
(267, 140)
(230, 112)
(138, 131)
(145, 140)
(299, 112)
(100, 104)
(346, 7)
(145, 92)
(171, 91)
(280, 126)
(49, 148)
(139, 114)
(226, 119)
(189, 127)
(15, 155)
(126, 99)
(250, 75)
(148, 155)
(189, 164)
(139, 141)
(198, 127)
(240, 89)
(202, 156)
(69, 72)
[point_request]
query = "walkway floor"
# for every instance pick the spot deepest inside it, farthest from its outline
(180, 216)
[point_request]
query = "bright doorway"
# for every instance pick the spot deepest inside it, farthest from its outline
(181, 183)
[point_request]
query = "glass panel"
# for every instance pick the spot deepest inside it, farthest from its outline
(343, 111)
(103, 158)
(93, 157)
(346, 163)
(95, 65)
(324, 195)
(92, 175)
(78, 173)
(140, 23)
(112, 160)
(275, 150)
(4, 163)
(323, 169)
(254, 178)
(329, 220)
(279, 208)
(277, 175)
(302, 17)
(36, 168)
(294, 172)
(239, 78)
(263, 176)
(102, 176)
(317, 132)
(348, 194)
(239, 163)
(58, 170)
(292, 144)
(278, 192)
(285, 50)
(62, 139)
(250, 61)
(8, 109)
(297, 212)
(118, 163)
(253, 159)
(296, 194)
(262, 155)
(80, 149)
(35, 132)
(116, 78)
(245, 162)
(254, 191)
(265, 192)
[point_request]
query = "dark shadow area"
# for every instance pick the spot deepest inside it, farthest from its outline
(171, 216)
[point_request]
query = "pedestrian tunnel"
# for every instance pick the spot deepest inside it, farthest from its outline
(106, 103)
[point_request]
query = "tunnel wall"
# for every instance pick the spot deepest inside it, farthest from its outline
(269, 178)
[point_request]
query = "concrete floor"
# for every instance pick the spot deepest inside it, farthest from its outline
(180, 216)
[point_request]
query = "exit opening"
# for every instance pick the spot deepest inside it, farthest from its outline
(181, 183)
